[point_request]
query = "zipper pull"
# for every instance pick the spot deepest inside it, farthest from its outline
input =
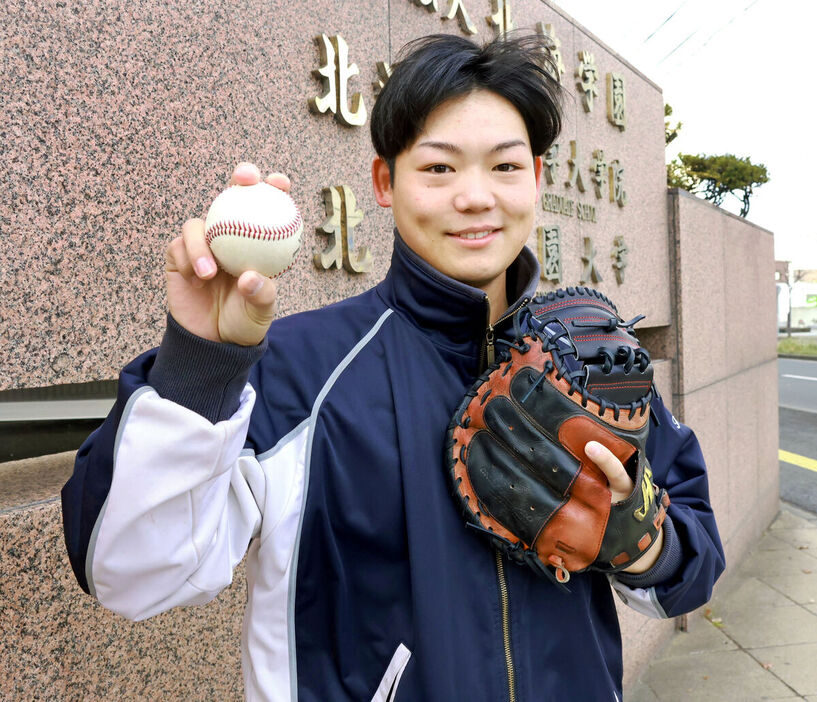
(489, 344)
(489, 334)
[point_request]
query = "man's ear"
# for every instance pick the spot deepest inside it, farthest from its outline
(381, 182)
(538, 167)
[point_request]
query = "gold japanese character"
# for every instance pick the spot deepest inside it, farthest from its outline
(457, 9)
(342, 216)
(501, 18)
(556, 66)
(336, 72)
(550, 163)
(598, 172)
(588, 76)
(615, 101)
(575, 177)
(589, 270)
(383, 74)
(549, 252)
(617, 193)
(619, 256)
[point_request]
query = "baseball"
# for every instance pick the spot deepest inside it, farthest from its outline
(254, 227)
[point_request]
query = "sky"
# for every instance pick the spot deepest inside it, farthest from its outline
(739, 77)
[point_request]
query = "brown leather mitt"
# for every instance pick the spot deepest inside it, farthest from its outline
(574, 373)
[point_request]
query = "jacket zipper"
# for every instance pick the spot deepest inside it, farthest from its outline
(506, 625)
(504, 600)
(490, 337)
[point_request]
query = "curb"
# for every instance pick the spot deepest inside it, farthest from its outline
(799, 357)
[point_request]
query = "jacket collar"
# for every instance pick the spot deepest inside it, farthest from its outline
(452, 313)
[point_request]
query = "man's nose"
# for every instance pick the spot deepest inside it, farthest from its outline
(475, 193)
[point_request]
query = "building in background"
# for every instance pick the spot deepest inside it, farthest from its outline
(796, 293)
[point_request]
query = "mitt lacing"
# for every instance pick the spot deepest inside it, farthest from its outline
(625, 356)
(519, 553)
(612, 324)
(560, 344)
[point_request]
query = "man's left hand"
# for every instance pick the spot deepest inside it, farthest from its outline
(621, 486)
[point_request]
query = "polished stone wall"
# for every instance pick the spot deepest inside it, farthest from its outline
(57, 643)
(725, 361)
(120, 120)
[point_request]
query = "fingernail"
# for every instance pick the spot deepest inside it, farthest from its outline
(204, 267)
(246, 165)
(592, 449)
(259, 283)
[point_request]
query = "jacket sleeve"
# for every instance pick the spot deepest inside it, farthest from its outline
(693, 544)
(163, 501)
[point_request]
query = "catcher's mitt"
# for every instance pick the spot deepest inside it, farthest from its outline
(515, 451)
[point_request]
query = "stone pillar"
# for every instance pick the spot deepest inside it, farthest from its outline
(725, 361)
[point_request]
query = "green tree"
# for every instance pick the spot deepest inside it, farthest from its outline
(678, 177)
(670, 133)
(715, 177)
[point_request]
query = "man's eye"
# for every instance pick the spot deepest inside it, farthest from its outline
(506, 167)
(438, 168)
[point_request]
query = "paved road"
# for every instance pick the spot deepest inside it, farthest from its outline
(798, 432)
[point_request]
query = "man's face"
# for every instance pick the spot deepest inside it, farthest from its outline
(463, 194)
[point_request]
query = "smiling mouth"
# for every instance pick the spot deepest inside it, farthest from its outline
(474, 235)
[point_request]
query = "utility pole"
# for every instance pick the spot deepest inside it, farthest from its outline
(782, 275)
(789, 277)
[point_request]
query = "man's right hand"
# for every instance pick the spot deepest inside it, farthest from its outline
(206, 300)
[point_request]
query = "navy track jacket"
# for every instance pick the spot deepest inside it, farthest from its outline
(326, 469)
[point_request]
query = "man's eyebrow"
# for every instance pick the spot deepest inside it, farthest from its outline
(442, 145)
(454, 149)
(508, 145)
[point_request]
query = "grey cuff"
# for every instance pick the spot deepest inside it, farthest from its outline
(201, 375)
(667, 565)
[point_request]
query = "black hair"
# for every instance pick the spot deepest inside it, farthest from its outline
(439, 67)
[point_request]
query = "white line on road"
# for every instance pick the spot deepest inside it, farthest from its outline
(799, 377)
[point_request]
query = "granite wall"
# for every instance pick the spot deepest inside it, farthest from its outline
(56, 643)
(725, 361)
(721, 354)
(120, 120)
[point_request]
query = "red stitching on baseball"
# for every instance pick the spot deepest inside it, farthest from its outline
(292, 263)
(254, 231)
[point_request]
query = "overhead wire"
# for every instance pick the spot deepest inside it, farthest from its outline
(677, 47)
(721, 28)
(655, 31)
(711, 36)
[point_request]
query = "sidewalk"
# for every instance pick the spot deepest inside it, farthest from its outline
(759, 638)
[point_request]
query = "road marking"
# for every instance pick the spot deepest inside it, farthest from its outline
(799, 377)
(798, 409)
(797, 460)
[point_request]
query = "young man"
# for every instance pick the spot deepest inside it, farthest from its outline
(315, 445)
